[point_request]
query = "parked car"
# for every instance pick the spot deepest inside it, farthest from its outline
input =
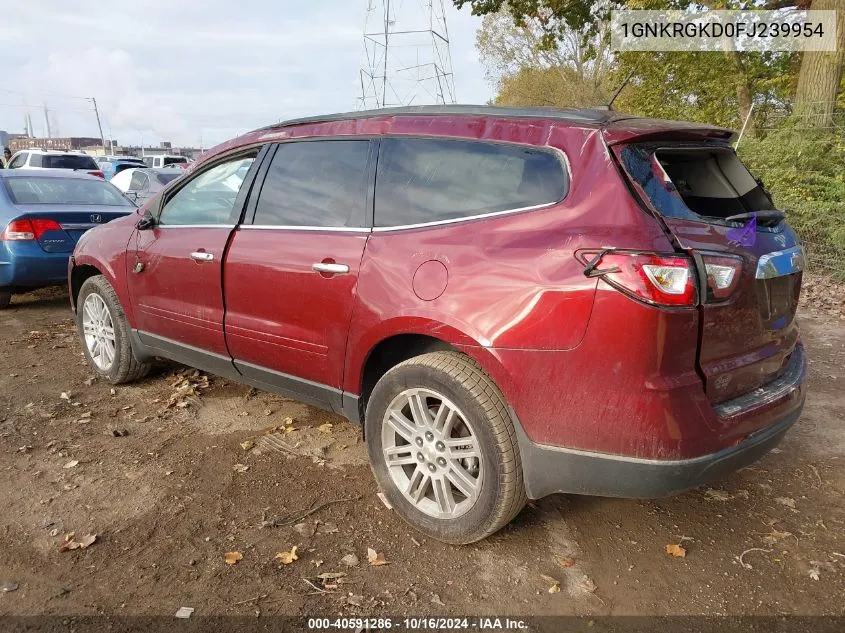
(515, 303)
(54, 159)
(142, 184)
(165, 160)
(113, 165)
(42, 214)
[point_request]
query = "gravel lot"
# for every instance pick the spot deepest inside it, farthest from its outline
(173, 473)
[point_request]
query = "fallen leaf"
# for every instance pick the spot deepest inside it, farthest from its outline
(305, 529)
(587, 584)
(286, 558)
(676, 550)
(384, 500)
(325, 428)
(232, 558)
(566, 562)
(774, 536)
(375, 559)
(268, 412)
(71, 464)
(70, 543)
(350, 560)
(814, 573)
(331, 575)
(240, 468)
(718, 495)
(786, 501)
(436, 600)
(354, 600)
(288, 421)
(248, 445)
(65, 395)
(554, 583)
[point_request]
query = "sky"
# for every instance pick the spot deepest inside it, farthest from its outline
(197, 72)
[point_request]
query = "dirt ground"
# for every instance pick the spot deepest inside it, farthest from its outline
(169, 490)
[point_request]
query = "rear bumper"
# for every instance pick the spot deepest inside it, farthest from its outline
(549, 470)
(25, 265)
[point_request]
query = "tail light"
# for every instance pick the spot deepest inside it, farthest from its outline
(662, 280)
(722, 275)
(97, 173)
(28, 229)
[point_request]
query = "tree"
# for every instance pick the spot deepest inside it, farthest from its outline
(573, 73)
(821, 74)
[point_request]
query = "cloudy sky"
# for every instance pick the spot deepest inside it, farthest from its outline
(199, 71)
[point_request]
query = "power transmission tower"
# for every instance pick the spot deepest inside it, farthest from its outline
(406, 58)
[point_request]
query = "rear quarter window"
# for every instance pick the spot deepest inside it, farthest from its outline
(68, 161)
(420, 181)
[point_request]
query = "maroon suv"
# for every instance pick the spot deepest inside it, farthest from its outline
(514, 303)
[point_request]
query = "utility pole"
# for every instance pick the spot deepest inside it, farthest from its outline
(99, 125)
(47, 121)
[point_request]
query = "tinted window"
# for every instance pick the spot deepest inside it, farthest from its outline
(68, 161)
(315, 183)
(35, 190)
(170, 160)
(17, 161)
(209, 197)
(35, 161)
(429, 180)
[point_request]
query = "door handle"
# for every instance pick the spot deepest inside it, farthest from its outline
(200, 256)
(334, 269)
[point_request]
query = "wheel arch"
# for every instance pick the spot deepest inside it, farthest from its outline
(79, 274)
(388, 347)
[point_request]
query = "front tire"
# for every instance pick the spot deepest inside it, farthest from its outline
(443, 448)
(5, 299)
(105, 333)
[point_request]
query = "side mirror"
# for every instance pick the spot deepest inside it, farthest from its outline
(146, 222)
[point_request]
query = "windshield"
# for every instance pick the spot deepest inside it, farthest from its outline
(68, 161)
(35, 190)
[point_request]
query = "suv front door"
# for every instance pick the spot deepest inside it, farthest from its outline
(174, 274)
(292, 268)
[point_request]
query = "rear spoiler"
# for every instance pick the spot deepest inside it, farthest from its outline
(627, 130)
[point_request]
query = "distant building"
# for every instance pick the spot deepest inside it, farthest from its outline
(63, 143)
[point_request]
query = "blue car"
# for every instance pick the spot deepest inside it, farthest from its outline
(43, 212)
(111, 166)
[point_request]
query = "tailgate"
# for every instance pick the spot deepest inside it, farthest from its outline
(749, 260)
(66, 223)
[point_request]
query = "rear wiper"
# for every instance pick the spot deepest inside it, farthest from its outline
(769, 217)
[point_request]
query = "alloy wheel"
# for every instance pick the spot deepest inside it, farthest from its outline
(432, 454)
(98, 329)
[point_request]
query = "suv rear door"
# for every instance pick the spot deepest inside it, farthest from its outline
(291, 271)
(722, 216)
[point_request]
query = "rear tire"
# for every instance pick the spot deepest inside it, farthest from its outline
(443, 448)
(105, 333)
(5, 299)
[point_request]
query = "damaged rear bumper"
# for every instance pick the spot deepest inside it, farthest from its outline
(549, 470)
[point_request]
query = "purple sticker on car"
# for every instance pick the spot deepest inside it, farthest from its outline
(745, 236)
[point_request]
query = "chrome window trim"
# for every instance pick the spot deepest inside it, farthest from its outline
(343, 229)
(560, 154)
(780, 263)
(195, 226)
(466, 218)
